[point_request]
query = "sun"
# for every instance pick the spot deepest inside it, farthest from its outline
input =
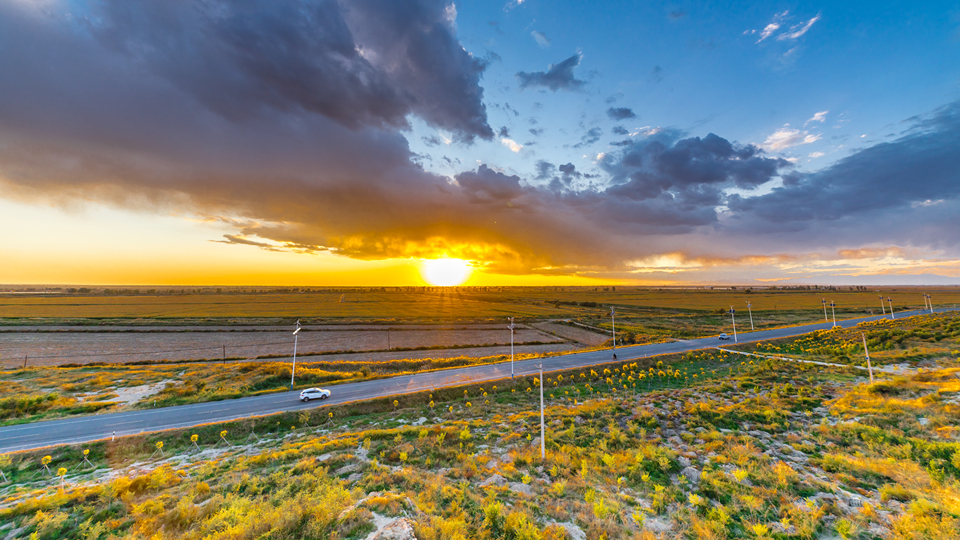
(445, 272)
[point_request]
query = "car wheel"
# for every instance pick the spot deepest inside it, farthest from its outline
(306, 399)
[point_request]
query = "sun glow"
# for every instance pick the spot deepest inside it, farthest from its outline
(445, 272)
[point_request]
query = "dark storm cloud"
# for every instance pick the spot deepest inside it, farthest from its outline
(487, 185)
(919, 168)
(687, 176)
(557, 77)
(504, 132)
(244, 59)
(536, 132)
(619, 130)
(432, 140)
(620, 113)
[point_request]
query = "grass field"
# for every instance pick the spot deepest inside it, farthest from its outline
(710, 449)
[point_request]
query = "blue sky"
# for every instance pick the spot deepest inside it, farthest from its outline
(623, 141)
(703, 68)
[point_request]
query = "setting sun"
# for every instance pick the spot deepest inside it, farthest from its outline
(445, 272)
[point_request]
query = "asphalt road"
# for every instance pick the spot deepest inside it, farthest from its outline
(90, 428)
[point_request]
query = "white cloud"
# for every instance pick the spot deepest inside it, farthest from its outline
(512, 4)
(798, 29)
(772, 27)
(769, 29)
(818, 117)
(786, 137)
(925, 203)
(512, 145)
(542, 40)
(815, 155)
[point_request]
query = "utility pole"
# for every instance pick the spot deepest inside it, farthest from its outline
(733, 317)
(749, 310)
(613, 324)
(543, 431)
(883, 309)
(833, 308)
(892, 316)
(866, 352)
(824, 302)
(511, 346)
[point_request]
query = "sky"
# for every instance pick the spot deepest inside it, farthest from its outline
(575, 143)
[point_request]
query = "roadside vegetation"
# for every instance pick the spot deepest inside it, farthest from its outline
(695, 446)
(32, 394)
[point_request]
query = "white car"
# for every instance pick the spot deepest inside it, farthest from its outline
(724, 336)
(314, 393)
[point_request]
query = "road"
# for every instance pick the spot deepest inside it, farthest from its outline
(90, 428)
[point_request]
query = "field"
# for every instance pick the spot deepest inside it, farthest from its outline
(79, 345)
(699, 446)
(202, 306)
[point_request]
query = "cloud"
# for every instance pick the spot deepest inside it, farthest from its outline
(818, 117)
(591, 136)
(118, 115)
(504, 133)
(557, 77)
(619, 130)
(785, 138)
(656, 74)
(512, 4)
(815, 155)
(536, 132)
(774, 25)
(798, 29)
(541, 39)
(873, 182)
(677, 14)
(512, 145)
(620, 113)
(487, 185)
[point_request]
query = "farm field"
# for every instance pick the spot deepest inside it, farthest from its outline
(443, 304)
(67, 346)
(698, 446)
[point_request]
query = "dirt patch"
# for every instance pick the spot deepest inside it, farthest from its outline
(133, 394)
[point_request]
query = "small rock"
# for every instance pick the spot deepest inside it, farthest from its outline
(683, 461)
(495, 480)
(691, 474)
(519, 487)
(355, 477)
(398, 529)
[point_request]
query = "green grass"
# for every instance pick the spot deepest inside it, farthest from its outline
(614, 461)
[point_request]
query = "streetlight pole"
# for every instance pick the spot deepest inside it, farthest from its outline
(613, 324)
(824, 302)
(733, 317)
(749, 310)
(293, 371)
(833, 308)
(511, 346)
(892, 316)
(883, 309)
(543, 431)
